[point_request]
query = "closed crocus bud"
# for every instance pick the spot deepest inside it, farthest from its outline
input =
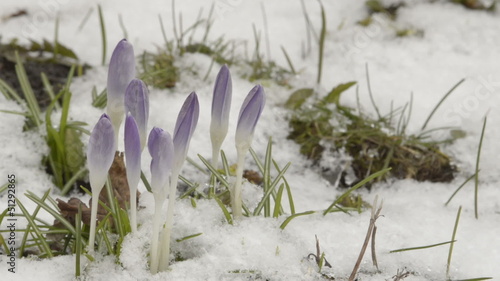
(133, 161)
(161, 149)
(100, 152)
(137, 103)
(100, 155)
(121, 71)
(184, 128)
(221, 104)
(249, 115)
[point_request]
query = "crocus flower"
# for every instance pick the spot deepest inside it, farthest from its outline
(100, 155)
(133, 162)
(221, 104)
(160, 147)
(137, 103)
(249, 115)
(184, 128)
(121, 71)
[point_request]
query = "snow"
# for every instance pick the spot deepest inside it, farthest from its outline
(456, 43)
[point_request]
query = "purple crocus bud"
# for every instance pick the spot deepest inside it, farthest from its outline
(137, 103)
(161, 148)
(133, 151)
(249, 115)
(100, 156)
(121, 71)
(100, 152)
(184, 128)
(221, 104)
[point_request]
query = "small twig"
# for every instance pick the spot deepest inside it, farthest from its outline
(318, 256)
(400, 275)
(374, 216)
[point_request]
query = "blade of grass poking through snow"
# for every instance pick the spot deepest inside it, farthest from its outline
(122, 26)
(440, 102)
(103, 34)
(288, 60)
(290, 218)
(277, 204)
(321, 43)
(225, 211)
(188, 237)
(448, 262)
(214, 171)
(55, 213)
(29, 95)
(269, 190)
(78, 241)
(35, 213)
(460, 187)
(476, 178)
(267, 177)
(358, 185)
(40, 238)
(370, 93)
(422, 247)
(475, 279)
(145, 182)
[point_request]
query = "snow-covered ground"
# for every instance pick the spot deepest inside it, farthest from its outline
(456, 43)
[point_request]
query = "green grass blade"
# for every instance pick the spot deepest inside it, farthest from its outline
(358, 185)
(440, 102)
(277, 203)
(29, 95)
(450, 252)
(215, 172)
(265, 199)
(460, 187)
(289, 61)
(226, 213)
(267, 177)
(52, 211)
(475, 279)
(422, 247)
(370, 93)
(321, 43)
(103, 34)
(78, 241)
(290, 218)
(10, 93)
(476, 178)
(188, 237)
(37, 231)
(28, 227)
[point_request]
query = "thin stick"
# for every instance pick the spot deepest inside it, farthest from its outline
(375, 215)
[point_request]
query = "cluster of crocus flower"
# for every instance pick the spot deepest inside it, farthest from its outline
(128, 97)
(249, 115)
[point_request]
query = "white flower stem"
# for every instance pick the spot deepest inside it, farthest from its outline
(236, 194)
(154, 255)
(93, 221)
(167, 230)
(133, 208)
(216, 145)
